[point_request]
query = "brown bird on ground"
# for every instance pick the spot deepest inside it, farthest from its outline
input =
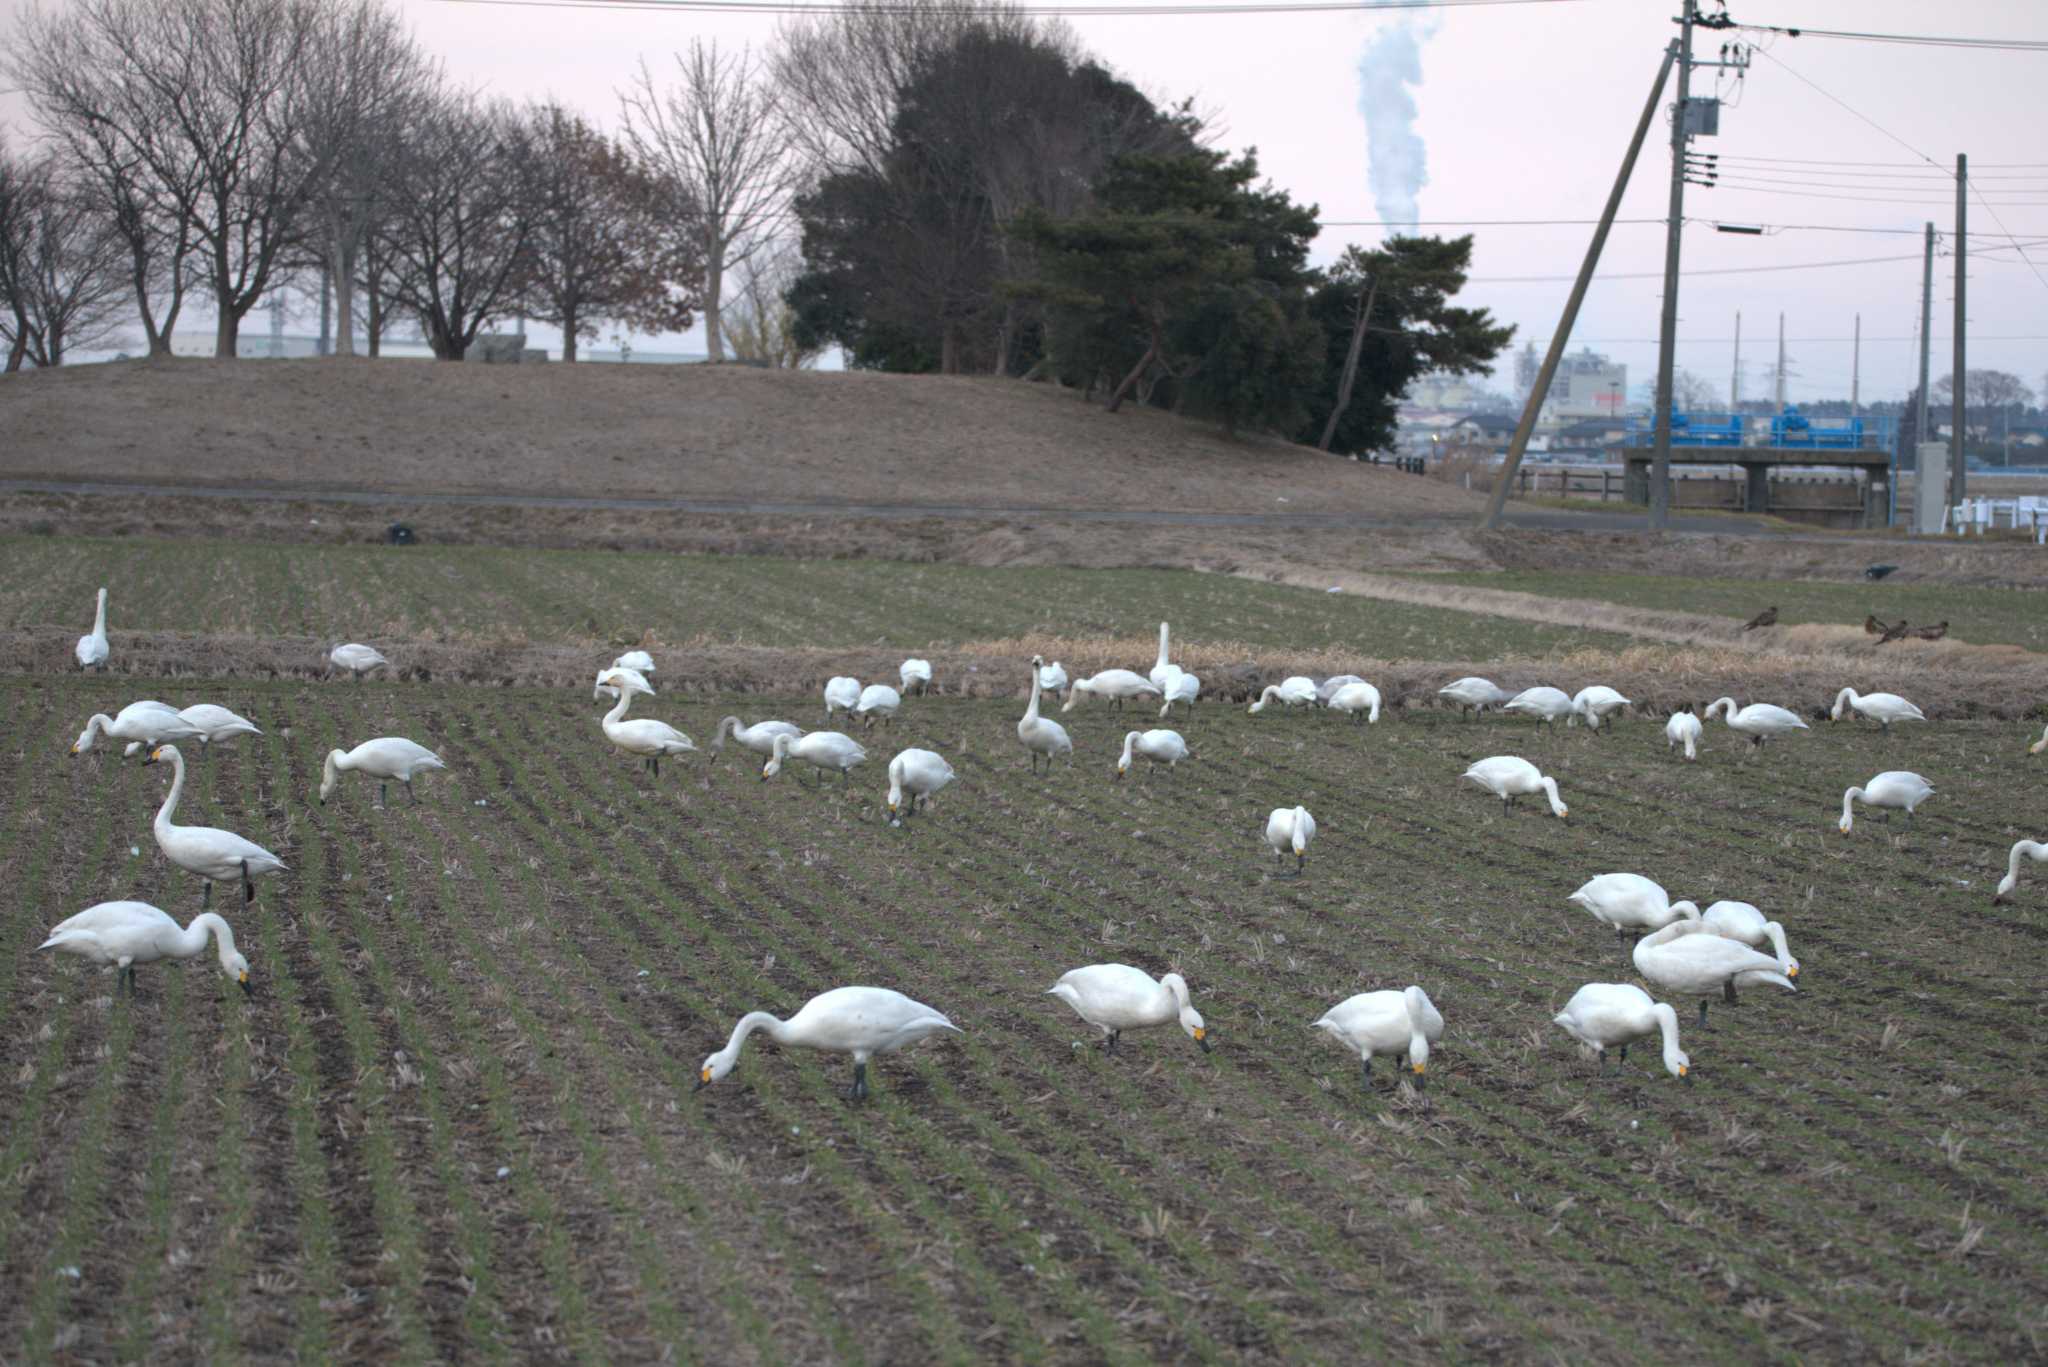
(1933, 633)
(1873, 626)
(1898, 631)
(1767, 618)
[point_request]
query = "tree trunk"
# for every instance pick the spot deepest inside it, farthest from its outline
(17, 350)
(949, 350)
(714, 284)
(1350, 365)
(226, 332)
(342, 266)
(373, 323)
(1003, 334)
(1116, 399)
(569, 334)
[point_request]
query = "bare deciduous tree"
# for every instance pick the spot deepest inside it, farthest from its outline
(61, 283)
(759, 324)
(716, 133)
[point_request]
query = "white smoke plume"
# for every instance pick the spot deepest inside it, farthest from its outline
(1396, 165)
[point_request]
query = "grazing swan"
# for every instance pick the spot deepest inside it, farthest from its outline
(1683, 729)
(760, 737)
(820, 749)
(1508, 777)
(1687, 958)
(210, 853)
(1388, 1023)
(1117, 685)
(1053, 677)
(629, 676)
(1042, 735)
(1162, 670)
(920, 773)
(1544, 704)
(1327, 689)
(1180, 687)
(643, 736)
(1760, 721)
(1294, 691)
(358, 660)
(639, 661)
(1892, 788)
(2042, 744)
(92, 647)
(2033, 849)
(1290, 828)
(1473, 694)
(1744, 924)
(861, 1021)
(842, 694)
(215, 723)
(1882, 708)
(1596, 703)
(877, 700)
(1116, 997)
(1629, 901)
(383, 759)
(915, 674)
(1360, 699)
(151, 723)
(1160, 746)
(1602, 1015)
(125, 934)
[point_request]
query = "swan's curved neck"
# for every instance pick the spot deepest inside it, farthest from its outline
(1667, 1022)
(1031, 709)
(1162, 645)
(1720, 703)
(727, 726)
(1130, 739)
(99, 616)
(170, 807)
(192, 939)
(619, 708)
(895, 780)
(1550, 791)
(1847, 697)
(2032, 849)
(1776, 933)
(1848, 798)
(749, 1023)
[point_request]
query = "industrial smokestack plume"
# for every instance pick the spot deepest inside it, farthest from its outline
(1396, 165)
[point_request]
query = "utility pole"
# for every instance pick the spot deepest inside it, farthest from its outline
(1667, 327)
(1779, 396)
(1856, 372)
(1735, 379)
(1958, 484)
(1925, 412)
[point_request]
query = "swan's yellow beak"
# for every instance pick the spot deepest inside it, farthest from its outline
(74, 748)
(1421, 1068)
(1684, 1071)
(1792, 972)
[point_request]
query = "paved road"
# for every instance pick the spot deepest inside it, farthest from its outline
(1533, 519)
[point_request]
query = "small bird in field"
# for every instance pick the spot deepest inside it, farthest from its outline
(1767, 618)
(1898, 631)
(1873, 626)
(1933, 633)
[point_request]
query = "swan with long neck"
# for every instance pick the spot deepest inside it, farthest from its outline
(1041, 735)
(1508, 777)
(1882, 708)
(1604, 1015)
(1544, 703)
(92, 647)
(1629, 901)
(1744, 924)
(1116, 997)
(1689, 959)
(921, 774)
(1161, 746)
(148, 722)
(860, 1021)
(821, 749)
(1117, 685)
(1760, 721)
(760, 737)
(1290, 828)
(1296, 690)
(1389, 1023)
(2042, 744)
(2035, 850)
(1595, 703)
(1892, 788)
(384, 759)
(215, 855)
(643, 736)
(1162, 668)
(125, 934)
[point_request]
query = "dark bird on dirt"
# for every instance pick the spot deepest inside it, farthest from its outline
(1874, 626)
(1877, 572)
(1933, 633)
(1898, 631)
(1767, 618)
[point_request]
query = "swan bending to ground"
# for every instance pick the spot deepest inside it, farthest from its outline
(1596, 703)
(1629, 901)
(1882, 708)
(642, 736)
(1473, 694)
(1290, 828)
(125, 934)
(214, 855)
(842, 694)
(1180, 687)
(1683, 729)
(1116, 997)
(1543, 703)
(877, 700)
(2035, 850)
(820, 749)
(1508, 777)
(1687, 958)
(1042, 735)
(861, 1021)
(1327, 689)
(1744, 924)
(1360, 699)
(1161, 746)
(1053, 676)
(1760, 721)
(383, 759)
(760, 737)
(1297, 690)
(1604, 1015)
(357, 659)
(148, 722)
(915, 674)
(639, 661)
(215, 723)
(92, 647)
(1388, 1023)
(920, 773)
(2042, 744)
(1117, 685)
(1892, 788)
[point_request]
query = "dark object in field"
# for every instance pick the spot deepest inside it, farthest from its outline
(400, 535)
(1767, 618)
(1898, 631)
(1933, 633)
(1877, 572)
(1872, 626)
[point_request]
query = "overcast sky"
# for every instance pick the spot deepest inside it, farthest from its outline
(1523, 111)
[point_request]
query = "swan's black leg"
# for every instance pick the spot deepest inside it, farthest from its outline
(1366, 1072)
(383, 792)
(654, 765)
(1703, 1013)
(1728, 992)
(415, 797)
(206, 897)
(248, 885)
(1109, 1041)
(860, 1083)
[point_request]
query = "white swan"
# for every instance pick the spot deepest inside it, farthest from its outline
(1290, 828)
(877, 700)
(639, 661)
(915, 674)
(642, 736)
(1687, 958)
(212, 854)
(1596, 703)
(1388, 1023)
(820, 749)
(149, 722)
(1473, 694)
(1042, 735)
(1117, 685)
(1180, 687)
(861, 1021)
(215, 723)
(1297, 690)
(1760, 721)
(1162, 668)
(1629, 901)
(1116, 997)
(920, 773)
(357, 659)
(1359, 699)
(1053, 676)
(1543, 703)
(2035, 850)
(1744, 924)
(1882, 708)
(1161, 746)
(1603, 1015)
(1508, 777)
(1892, 788)
(383, 759)
(92, 647)
(1327, 689)
(125, 934)
(842, 694)
(630, 676)
(2042, 744)
(760, 737)
(1683, 729)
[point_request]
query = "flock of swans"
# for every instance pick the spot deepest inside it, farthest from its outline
(1678, 949)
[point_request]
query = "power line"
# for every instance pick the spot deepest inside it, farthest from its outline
(1907, 39)
(1715, 270)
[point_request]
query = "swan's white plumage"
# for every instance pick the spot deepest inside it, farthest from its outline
(639, 661)
(1042, 735)
(1290, 829)
(1542, 702)
(1690, 960)
(1163, 669)
(920, 773)
(842, 694)
(1180, 687)
(384, 759)
(915, 673)
(1053, 677)
(1116, 997)
(833, 750)
(1760, 721)
(92, 647)
(1361, 700)
(1159, 745)
(1899, 788)
(148, 722)
(1508, 777)
(215, 855)
(1744, 924)
(1595, 703)
(1604, 1015)
(858, 1021)
(1683, 729)
(356, 658)
(1629, 901)
(2036, 850)
(128, 933)
(1882, 708)
(643, 736)
(1118, 686)
(1297, 690)
(760, 737)
(877, 701)
(1327, 689)
(1473, 692)
(1387, 1023)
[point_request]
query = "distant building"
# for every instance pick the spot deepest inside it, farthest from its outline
(1587, 385)
(1441, 389)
